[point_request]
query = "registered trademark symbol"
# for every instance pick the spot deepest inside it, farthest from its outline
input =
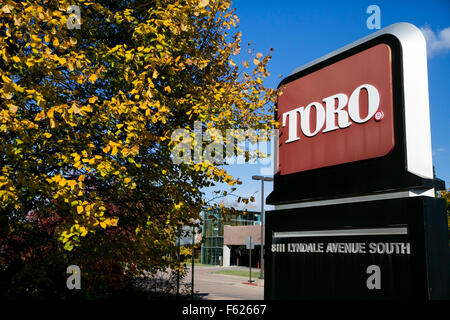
(379, 115)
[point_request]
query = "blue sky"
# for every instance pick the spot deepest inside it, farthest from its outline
(301, 31)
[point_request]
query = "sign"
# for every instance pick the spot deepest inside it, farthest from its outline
(355, 214)
(250, 243)
(386, 249)
(356, 121)
(344, 247)
(328, 116)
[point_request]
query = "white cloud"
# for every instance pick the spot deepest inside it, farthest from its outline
(436, 42)
(438, 151)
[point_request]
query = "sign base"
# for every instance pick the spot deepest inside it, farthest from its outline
(385, 249)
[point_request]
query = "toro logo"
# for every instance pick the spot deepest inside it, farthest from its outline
(338, 114)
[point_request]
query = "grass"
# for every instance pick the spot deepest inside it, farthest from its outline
(241, 273)
(198, 264)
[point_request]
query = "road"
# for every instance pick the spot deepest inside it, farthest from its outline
(212, 286)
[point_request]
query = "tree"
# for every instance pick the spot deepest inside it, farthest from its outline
(86, 121)
(445, 194)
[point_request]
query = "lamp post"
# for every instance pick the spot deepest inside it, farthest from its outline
(262, 178)
(192, 262)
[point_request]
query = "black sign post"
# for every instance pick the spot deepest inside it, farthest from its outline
(250, 245)
(389, 249)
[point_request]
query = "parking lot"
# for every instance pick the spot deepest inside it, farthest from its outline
(212, 286)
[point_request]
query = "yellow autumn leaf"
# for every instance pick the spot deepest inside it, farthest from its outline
(6, 79)
(83, 231)
(80, 209)
(168, 89)
(13, 108)
(92, 78)
(76, 110)
(106, 149)
(19, 88)
(7, 8)
(50, 113)
(72, 184)
(7, 95)
(40, 116)
(135, 149)
(87, 108)
(125, 151)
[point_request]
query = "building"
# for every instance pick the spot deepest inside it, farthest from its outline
(223, 239)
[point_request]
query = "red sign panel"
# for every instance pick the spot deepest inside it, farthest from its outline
(338, 114)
